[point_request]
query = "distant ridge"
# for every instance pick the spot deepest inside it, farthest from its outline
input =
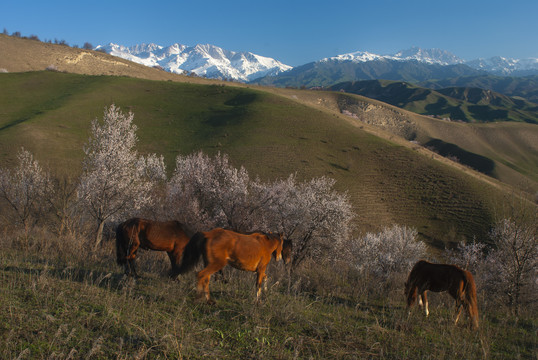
(202, 60)
(411, 65)
(468, 104)
(428, 56)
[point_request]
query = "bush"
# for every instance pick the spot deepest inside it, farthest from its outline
(513, 265)
(387, 256)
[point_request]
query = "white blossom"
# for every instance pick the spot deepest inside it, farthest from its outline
(23, 188)
(393, 250)
(116, 182)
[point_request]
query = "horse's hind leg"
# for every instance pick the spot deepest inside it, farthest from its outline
(204, 277)
(132, 268)
(459, 307)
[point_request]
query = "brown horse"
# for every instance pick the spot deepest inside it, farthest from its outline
(442, 277)
(135, 233)
(220, 247)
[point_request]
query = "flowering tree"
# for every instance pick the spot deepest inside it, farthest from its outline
(470, 257)
(23, 189)
(209, 192)
(392, 251)
(115, 180)
(311, 214)
(514, 262)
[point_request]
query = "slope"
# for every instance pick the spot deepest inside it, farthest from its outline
(505, 151)
(49, 113)
(18, 54)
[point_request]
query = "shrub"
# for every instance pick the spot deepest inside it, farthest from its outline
(513, 265)
(387, 256)
(23, 190)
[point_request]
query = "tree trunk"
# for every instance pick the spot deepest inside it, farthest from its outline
(99, 235)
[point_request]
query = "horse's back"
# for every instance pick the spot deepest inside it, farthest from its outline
(242, 251)
(438, 277)
(154, 235)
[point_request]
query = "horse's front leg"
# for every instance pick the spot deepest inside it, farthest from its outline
(131, 261)
(423, 302)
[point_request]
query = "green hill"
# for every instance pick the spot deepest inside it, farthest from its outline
(525, 87)
(455, 103)
(49, 113)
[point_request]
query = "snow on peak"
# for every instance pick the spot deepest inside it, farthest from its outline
(504, 66)
(430, 56)
(202, 59)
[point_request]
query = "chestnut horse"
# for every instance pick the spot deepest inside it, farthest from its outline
(220, 247)
(442, 277)
(138, 233)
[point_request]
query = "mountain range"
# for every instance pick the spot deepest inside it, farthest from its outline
(202, 60)
(414, 65)
(496, 65)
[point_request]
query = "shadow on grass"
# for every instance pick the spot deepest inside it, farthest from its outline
(477, 162)
(102, 279)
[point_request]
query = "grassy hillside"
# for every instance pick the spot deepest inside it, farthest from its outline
(511, 147)
(59, 303)
(49, 113)
(20, 54)
(455, 103)
(59, 300)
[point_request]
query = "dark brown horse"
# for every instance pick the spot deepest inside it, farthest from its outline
(135, 233)
(220, 247)
(442, 277)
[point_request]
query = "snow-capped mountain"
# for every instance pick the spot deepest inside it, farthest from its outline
(505, 66)
(497, 65)
(429, 56)
(203, 60)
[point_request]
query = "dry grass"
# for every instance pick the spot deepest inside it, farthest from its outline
(55, 306)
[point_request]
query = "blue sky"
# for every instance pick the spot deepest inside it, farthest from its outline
(294, 32)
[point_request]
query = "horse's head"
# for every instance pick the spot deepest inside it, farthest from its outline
(283, 249)
(287, 249)
(410, 293)
(278, 251)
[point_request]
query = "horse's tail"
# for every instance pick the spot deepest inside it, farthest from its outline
(121, 245)
(470, 298)
(192, 252)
